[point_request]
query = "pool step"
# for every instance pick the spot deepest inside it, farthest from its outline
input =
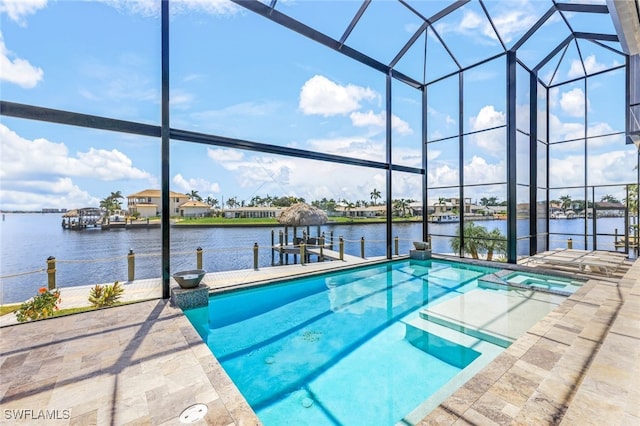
(453, 353)
(494, 316)
(461, 327)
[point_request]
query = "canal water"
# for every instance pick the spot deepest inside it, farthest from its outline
(94, 256)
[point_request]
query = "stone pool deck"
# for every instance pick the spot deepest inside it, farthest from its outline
(580, 365)
(144, 364)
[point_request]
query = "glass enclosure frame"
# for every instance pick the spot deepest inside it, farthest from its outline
(518, 192)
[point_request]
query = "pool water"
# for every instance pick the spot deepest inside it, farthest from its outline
(346, 347)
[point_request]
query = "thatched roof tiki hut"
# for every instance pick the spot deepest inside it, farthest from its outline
(302, 214)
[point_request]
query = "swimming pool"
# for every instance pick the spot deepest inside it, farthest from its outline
(361, 346)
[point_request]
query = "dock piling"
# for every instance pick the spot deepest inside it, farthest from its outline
(255, 256)
(51, 272)
(199, 258)
(131, 263)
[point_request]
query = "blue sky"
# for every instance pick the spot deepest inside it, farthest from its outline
(236, 74)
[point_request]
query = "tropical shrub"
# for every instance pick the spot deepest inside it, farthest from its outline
(42, 305)
(105, 295)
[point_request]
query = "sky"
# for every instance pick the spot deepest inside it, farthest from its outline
(236, 74)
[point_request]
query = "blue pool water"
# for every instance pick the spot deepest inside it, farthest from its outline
(336, 349)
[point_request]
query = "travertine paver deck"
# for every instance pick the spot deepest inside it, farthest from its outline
(577, 366)
(144, 363)
(136, 364)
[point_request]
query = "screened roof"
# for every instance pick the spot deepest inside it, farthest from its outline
(425, 40)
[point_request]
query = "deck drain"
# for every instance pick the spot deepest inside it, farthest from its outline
(193, 413)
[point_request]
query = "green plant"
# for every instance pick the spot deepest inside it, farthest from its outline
(477, 240)
(105, 295)
(42, 305)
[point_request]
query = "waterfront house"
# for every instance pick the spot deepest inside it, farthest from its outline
(362, 211)
(252, 212)
(149, 203)
(195, 208)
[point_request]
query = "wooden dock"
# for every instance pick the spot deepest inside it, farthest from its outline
(321, 254)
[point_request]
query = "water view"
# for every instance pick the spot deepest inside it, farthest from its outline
(94, 256)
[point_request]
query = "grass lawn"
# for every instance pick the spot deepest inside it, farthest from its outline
(7, 309)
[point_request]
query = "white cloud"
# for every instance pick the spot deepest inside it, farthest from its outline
(17, 71)
(368, 119)
(222, 154)
(180, 99)
(26, 160)
(470, 21)
(566, 171)
(442, 175)
(488, 117)
(119, 80)
(590, 64)
(321, 96)
(377, 122)
(37, 194)
(478, 170)
(514, 20)
(357, 147)
(612, 168)
(311, 179)
(572, 102)
(18, 10)
(151, 8)
(203, 186)
(243, 109)
(509, 21)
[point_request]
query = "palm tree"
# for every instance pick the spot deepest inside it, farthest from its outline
(473, 239)
(193, 195)
(565, 202)
(495, 242)
(609, 199)
(211, 201)
(350, 206)
(401, 205)
(107, 204)
(375, 196)
(490, 201)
